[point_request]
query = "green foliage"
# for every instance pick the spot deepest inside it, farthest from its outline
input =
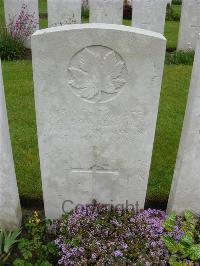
(176, 2)
(85, 12)
(171, 15)
(180, 57)
(7, 240)
(170, 222)
(188, 246)
(10, 48)
(171, 34)
(36, 246)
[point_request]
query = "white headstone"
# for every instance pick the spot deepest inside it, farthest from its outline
(149, 14)
(10, 211)
(13, 8)
(107, 11)
(185, 191)
(189, 24)
(97, 90)
(64, 12)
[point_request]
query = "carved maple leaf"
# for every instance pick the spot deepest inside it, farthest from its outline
(97, 74)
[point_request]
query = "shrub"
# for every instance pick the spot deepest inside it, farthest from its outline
(10, 48)
(18, 31)
(182, 238)
(85, 12)
(36, 246)
(177, 2)
(98, 234)
(22, 26)
(7, 240)
(95, 235)
(171, 15)
(180, 57)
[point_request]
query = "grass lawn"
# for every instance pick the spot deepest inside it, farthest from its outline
(20, 104)
(171, 34)
(173, 100)
(21, 113)
(42, 6)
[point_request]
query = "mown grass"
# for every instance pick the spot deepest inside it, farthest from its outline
(171, 34)
(21, 113)
(173, 99)
(42, 6)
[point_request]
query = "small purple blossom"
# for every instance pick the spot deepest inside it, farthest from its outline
(118, 253)
(97, 235)
(22, 26)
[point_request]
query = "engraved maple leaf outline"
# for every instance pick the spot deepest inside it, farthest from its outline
(97, 74)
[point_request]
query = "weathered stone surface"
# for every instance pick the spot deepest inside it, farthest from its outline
(64, 12)
(10, 211)
(149, 14)
(13, 8)
(189, 24)
(97, 91)
(107, 11)
(185, 191)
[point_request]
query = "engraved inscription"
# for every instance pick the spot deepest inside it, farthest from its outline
(97, 74)
(96, 170)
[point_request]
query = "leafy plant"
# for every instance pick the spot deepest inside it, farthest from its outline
(13, 37)
(176, 2)
(36, 246)
(10, 48)
(97, 235)
(7, 240)
(180, 57)
(85, 12)
(187, 244)
(171, 15)
(22, 26)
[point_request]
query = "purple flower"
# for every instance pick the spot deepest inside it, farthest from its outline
(94, 256)
(97, 234)
(118, 253)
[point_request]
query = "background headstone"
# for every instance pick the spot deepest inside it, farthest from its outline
(64, 12)
(107, 11)
(97, 90)
(185, 191)
(149, 14)
(13, 8)
(10, 211)
(189, 25)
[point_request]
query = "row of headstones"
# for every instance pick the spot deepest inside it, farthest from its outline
(97, 90)
(147, 14)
